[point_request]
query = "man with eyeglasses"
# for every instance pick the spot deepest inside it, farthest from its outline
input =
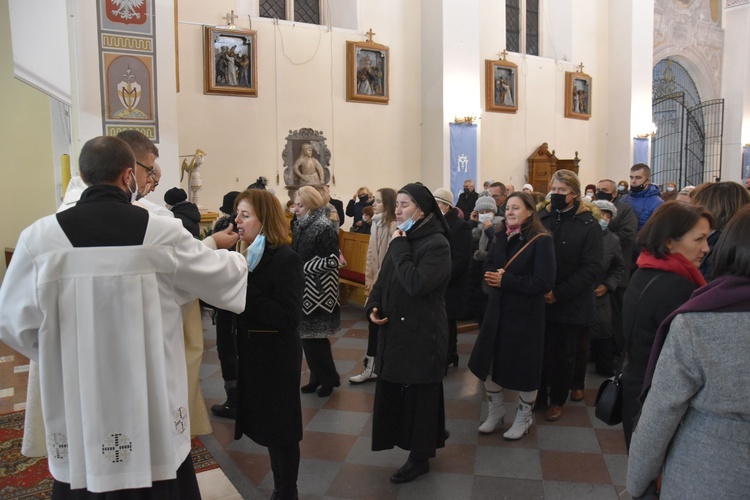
(94, 294)
(147, 172)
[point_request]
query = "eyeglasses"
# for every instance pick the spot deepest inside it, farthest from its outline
(150, 170)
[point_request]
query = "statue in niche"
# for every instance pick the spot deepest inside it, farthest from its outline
(307, 169)
(306, 159)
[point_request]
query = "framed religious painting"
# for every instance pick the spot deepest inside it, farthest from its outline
(577, 95)
(367, 72)
(500, 86)
(230, 62)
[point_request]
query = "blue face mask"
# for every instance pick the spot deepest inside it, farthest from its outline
(255, 252)
(604, 224)
(407, 224)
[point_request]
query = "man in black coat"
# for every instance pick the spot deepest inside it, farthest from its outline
(570, 304)
(461, 243)
(625, 227)
(467, 199)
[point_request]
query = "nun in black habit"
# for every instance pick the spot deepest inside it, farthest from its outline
(407, 301)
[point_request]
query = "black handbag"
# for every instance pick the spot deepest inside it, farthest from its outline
(609, 398)
(609, 401)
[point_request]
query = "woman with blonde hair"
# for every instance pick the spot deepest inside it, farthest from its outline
(315, 239)
(268, 344)
(363, 198)
(383, 226)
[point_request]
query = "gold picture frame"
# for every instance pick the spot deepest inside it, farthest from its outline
(500, 86)
(367, 72)
(577, 95)
(230, 62)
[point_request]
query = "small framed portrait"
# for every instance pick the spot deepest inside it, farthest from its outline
(229, 62)
(501, 86)
(577, 95)
(367, 72)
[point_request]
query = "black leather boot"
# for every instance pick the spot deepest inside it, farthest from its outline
(411, 470)
(227, 409)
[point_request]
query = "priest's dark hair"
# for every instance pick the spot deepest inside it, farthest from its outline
(103, 159)
(141, 144)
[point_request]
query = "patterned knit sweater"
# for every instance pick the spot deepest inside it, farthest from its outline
(316, 241)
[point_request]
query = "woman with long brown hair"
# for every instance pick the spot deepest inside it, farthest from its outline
(383, 226)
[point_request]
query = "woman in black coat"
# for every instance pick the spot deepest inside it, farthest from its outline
(510, 344)
(673, 242)
(268, 343)
(407, 302)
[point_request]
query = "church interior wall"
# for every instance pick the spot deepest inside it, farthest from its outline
(27, 191)
(508, 139)
(301, 84)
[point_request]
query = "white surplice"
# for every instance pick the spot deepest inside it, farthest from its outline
(105, 325)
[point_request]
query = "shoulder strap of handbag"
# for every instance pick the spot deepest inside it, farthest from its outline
(521, 250)
(632, 325)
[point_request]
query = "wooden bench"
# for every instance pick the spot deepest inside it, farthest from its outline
(352, 276)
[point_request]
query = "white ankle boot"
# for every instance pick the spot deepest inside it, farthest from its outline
(495, 412)
(522, 422)
(367, 374)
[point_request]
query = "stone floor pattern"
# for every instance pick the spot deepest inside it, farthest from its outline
(577, 457)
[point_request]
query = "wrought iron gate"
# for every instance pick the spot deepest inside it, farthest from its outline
(687, 146)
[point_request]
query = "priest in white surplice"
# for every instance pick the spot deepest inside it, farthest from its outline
(94, 294)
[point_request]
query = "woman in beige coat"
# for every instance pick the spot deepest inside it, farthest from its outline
(383, 226)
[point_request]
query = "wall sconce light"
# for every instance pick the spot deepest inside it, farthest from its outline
(649, 134)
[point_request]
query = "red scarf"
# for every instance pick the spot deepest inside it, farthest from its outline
(671, 263)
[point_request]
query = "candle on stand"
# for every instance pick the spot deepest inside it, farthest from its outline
(64, 172)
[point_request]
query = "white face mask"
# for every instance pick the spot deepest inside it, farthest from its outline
(485, 217)
(133, 192)
(670, 188)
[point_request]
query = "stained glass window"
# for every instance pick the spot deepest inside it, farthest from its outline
(532, 27)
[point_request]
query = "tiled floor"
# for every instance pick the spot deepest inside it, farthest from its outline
(577, 457)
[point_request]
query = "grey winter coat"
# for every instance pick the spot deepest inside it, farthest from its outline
(696, 419)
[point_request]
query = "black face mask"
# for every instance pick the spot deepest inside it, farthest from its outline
(363, 198)
(637, 189)
(467, 190)
(557, 201)
(601, 195)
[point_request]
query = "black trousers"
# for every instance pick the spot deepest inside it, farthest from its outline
(226, 343)
(183, 487)
(320, 361)
(581, 359)
(559, 359)
(285, 467)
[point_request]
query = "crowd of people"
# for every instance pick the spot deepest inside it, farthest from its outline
(617, 272)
